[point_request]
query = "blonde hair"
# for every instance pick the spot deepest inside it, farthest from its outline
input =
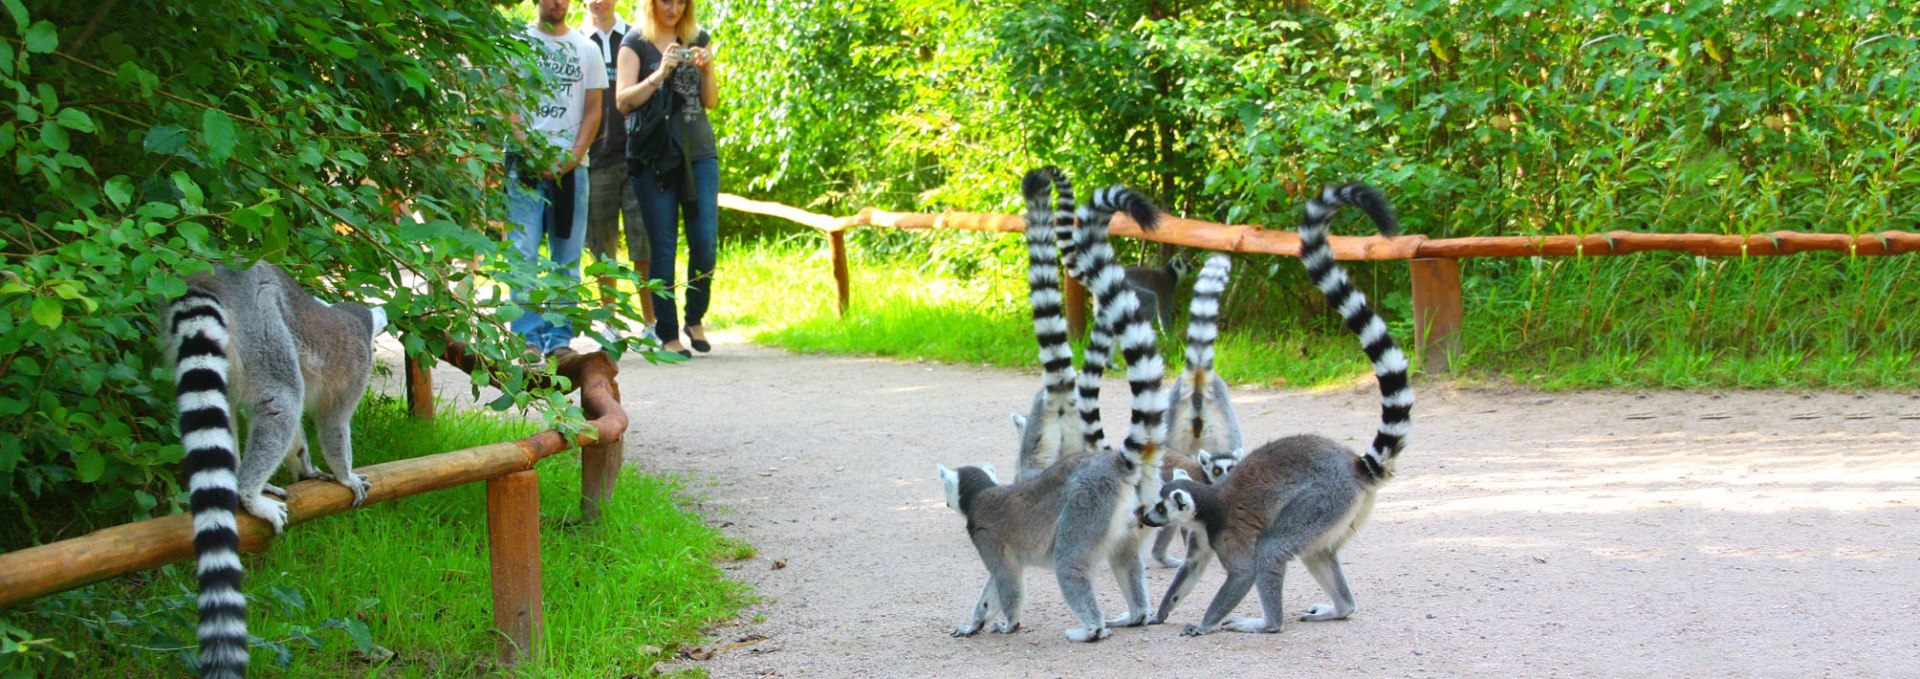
(687, 30)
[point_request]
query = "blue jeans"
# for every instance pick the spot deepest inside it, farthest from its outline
(527, 209)
(663, 212)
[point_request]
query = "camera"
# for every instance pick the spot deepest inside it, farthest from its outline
(684, 53)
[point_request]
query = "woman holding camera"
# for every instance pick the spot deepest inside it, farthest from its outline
(668, 55)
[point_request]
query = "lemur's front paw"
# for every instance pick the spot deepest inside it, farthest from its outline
(359, 485)
(1323, 612)
(1129, 620)
(1006, 627)
(1088, 633)
(1170, 562)
(274, 512)
(967, 630)
(275, 491)
(1195, 630)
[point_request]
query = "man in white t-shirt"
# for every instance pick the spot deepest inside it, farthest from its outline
(550, 203)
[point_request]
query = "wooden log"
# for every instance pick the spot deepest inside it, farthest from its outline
(513, 551)
(842, 282)
(419, 388)
(128, 548)
(1704, 244)
(1437, 312)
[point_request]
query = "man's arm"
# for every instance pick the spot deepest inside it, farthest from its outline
(589, 129)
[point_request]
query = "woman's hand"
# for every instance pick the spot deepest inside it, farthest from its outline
(703, 59)
(670, 59)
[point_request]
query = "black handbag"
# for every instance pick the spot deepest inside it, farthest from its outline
(657, 141)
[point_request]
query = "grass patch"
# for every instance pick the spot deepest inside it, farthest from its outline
(411, 577)
(1814, 320)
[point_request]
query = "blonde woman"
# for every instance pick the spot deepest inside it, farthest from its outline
(667, 55)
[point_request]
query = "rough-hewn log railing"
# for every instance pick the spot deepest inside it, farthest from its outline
(513, 508)
(1435, 263)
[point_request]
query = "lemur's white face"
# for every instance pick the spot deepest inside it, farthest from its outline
(1216, 467)
(1175, 508)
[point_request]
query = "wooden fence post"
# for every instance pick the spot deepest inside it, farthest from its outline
(1076, 307)
(1437, 315)
(419, 387)
(840, 279)
(599, 470)
(513, 545)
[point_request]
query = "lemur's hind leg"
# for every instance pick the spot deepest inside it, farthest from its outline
(1011, 590)
(1325, 567)
(1160, 544)
(1128, 570)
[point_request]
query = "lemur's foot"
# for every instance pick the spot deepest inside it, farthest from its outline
(1006, 627)
(1195, 630)
(1258, 625)
(274, 512)
(1130, 620)
(274, 490)
(1324, 612)
(968, 629)
(1088, 633)
(359, 485)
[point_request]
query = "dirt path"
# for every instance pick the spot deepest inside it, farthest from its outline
(1598, 534)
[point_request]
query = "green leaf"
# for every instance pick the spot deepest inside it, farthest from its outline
(55, 137)
(362, 639)
(42, 37)
(189, 191)
(76, 120)
(47, 312)
(311, 156)
(18, 11)
(216, 131)
(119, 189)
(165, 139)
(89, 466)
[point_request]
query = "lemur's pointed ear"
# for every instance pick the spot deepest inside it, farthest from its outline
(991, 474)
(947, 475)
(1179, 474)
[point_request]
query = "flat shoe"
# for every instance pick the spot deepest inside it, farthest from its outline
(700, 345)
(685, 353)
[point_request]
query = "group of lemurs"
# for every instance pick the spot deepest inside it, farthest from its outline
(254, 338)
(1076, 503)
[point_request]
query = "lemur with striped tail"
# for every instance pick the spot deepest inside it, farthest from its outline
(1301, 496)
(1082, 511)
(255, 337)
(1203, 432)
(1047, 434)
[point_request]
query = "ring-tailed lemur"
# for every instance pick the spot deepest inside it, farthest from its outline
(255, 337)
(1045, 434)
(1303, 495)
(1203, 432)
(1083, 511)
(1155, 286)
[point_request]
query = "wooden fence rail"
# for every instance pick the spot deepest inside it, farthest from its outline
(513, 510)
(1434, 263)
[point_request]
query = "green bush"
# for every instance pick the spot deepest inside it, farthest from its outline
(147, 140)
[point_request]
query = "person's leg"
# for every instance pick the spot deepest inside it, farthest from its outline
(565, 253)
(703, 235)
(603, 220)
(637, 246)
(660, 212)
(525, 217)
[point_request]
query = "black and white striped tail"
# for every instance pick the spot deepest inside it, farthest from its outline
(200, 347)
(1043, 280)
(1119, 313)
(1389, 363)
(1203, 328)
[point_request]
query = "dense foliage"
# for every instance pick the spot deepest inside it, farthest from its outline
(1485, 116)
(147, 140)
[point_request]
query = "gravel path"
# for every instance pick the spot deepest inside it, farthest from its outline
(1527, 534)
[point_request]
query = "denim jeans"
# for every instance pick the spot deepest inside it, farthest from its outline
(663, 213)
(527, 209)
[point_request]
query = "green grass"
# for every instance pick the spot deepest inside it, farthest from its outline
(1816, 320)
(411, 577)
